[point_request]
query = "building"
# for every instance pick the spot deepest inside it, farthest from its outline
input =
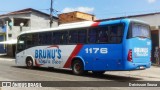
(75, 16)
(153, 19)
(13, 23)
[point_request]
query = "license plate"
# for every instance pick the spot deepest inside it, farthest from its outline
(141, 67)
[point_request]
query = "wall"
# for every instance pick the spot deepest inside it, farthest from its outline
(40, 21)
(153, 20)
(15, 31)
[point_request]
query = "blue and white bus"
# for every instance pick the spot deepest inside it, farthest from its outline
(114, 45)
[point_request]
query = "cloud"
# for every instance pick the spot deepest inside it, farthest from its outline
(81, 9)
(151, 1)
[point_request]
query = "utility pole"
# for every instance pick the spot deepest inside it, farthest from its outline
(51, 14)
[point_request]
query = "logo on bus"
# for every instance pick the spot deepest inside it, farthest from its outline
(49, 55)
(141, 51)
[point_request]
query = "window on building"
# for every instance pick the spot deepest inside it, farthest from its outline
(18, 21)
(9, 35)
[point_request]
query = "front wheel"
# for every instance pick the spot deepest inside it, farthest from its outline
(29, 63)
(78, 67)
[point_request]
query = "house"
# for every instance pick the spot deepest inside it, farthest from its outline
(13, 23)
(75, 16)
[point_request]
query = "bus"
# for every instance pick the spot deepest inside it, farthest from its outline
(113, 45)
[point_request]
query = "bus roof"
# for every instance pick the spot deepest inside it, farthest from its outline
(80, 25)
(64, 26)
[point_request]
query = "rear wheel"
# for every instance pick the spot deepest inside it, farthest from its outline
(78, 67)
(98, 72)
(29, 63)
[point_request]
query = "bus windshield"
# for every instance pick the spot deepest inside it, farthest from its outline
(140, 30)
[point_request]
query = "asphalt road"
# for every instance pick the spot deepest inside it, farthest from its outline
(10, 72)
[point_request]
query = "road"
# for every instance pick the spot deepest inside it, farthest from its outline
(10, 72)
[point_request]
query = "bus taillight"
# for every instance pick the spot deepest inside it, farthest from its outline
(130, 55)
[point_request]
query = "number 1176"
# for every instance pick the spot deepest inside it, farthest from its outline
(97, 50)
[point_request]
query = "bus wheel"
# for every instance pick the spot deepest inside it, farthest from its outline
(77, 67)
(98, 72)
(29, 63)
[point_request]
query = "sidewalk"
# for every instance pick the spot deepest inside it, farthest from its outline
(4, 57)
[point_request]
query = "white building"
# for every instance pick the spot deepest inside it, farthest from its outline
(13, 23)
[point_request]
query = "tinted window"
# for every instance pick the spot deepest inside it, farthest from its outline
(45, 38)
(73, 36)
(31, 40)
(82, 36)
(103, 35)
(116, 33)
(60, 37)
(21, 43)
(106, 34)
(92, 35)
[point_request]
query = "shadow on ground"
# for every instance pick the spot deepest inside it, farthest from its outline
(89, 74)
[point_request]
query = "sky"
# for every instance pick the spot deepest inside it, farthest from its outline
(102, 9)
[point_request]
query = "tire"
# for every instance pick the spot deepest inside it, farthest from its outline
(29, 63)
(78, 67)
(98, 72)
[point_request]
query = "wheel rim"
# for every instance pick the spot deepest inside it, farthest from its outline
(77, 68)
(29, 63)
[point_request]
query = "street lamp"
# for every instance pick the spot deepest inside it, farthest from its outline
(21, 25)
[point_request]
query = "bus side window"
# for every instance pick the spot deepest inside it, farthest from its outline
(103, 35)
(45, 38)
(73, 36)
(57, 37)
(31, 40)
(64, 38)
(35, 39)
(116, 33)
(92, 35)
(82, 36)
